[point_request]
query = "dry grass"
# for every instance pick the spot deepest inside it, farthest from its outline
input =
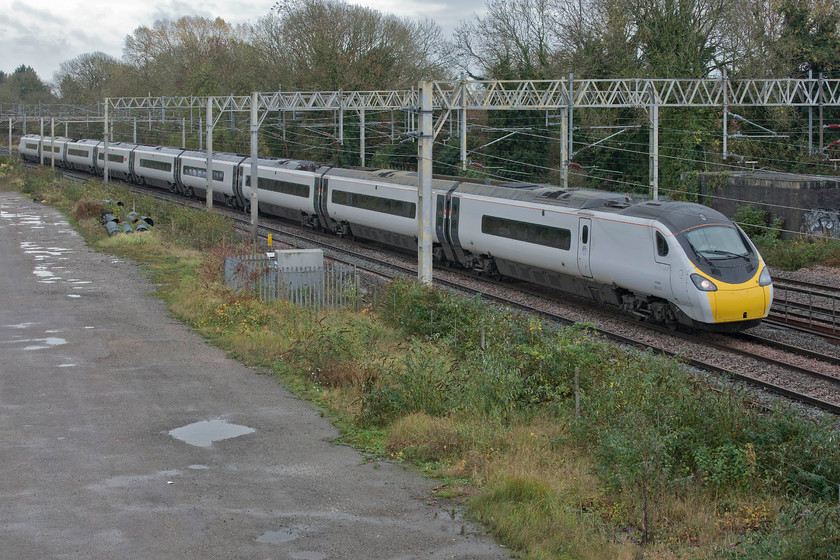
(87, 209)
(420, 437)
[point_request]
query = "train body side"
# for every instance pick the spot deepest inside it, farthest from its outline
(673, 262)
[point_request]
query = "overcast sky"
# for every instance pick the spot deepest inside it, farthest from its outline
(45, 34)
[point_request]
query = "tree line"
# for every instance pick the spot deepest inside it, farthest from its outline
(329, 45)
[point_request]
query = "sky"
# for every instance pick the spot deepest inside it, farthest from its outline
(45, 34)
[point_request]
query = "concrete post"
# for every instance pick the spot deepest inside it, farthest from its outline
(209, 153)
(340, 118)
(42, 140)
(52, 143)
(564, 149)
(255, 127)
(654, 150)
(571, 148)
(725, 117)
(822, 129)
(810, 115)
(424, 188)
(362, 136)
(105, 174)
(462, 124)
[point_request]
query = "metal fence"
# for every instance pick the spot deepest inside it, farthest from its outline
(330, 286)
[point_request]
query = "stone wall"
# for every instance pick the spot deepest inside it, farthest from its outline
(806, 203)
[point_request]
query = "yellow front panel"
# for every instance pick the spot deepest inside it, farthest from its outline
(738, 305)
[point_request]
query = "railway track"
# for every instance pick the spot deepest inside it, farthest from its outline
(807, 307)
(808, 385)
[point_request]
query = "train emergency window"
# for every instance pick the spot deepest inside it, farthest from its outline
(661, 245)
(283, 187)
(548, 236)
(218, 175)
(153, 164)
(399, 208)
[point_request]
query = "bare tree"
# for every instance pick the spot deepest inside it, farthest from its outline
(517, 39)
(192, 55)
(330, 44)
(85, 78)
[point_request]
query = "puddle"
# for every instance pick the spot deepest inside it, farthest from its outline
(306, 555)
(281, 536)
(198, 467)
(47, 343)
(74, 365)
(130, 480)
(77, 295)
(203, 434)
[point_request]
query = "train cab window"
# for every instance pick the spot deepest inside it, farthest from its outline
(584, 236)
(661, 245)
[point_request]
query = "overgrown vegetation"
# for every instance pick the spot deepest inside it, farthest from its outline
(654, 465)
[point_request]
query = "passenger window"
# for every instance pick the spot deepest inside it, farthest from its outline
(661, 245)
(584, 237)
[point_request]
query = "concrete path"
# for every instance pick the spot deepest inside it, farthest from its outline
(96, 380)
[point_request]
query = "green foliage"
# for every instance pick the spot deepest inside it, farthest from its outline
(24, 86)
(757, 222)
(798, 253)
(809, 531)
(727, 465)
(423, 380)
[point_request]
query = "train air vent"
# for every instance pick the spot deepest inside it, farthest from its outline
(554, 194)
(617, 204)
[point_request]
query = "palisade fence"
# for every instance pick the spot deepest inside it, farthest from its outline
(330, 286)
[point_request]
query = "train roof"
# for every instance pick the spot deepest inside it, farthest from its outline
(578, 199)
(676, 215)
(280, 163)
(531, 192)
(147, 149)
(217, 156)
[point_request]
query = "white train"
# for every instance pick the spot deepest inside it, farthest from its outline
(667, 261)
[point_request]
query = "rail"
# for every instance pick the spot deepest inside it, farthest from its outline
(811, 304)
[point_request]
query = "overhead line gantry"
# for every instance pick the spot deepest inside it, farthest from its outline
(446, 98)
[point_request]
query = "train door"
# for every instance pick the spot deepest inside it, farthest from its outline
(662, 257)
(584, 242)
(322, 193)
(442, 226)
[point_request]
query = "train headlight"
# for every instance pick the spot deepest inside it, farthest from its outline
(703, 284)
(764, 277)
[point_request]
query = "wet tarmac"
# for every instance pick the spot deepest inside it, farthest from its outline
(125, 435)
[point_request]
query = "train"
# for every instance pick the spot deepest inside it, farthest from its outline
(666, 261)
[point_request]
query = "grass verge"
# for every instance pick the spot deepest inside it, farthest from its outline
(655, 465)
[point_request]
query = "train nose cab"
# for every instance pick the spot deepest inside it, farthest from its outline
(730, 272)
